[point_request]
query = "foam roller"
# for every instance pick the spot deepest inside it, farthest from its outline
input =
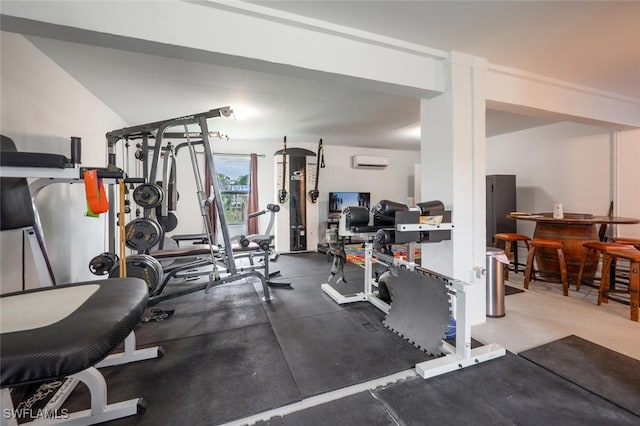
(356, 216)
(384, 213)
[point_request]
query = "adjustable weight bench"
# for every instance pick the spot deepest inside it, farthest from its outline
(68, 331)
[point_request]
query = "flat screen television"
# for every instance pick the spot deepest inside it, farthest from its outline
(339, 200)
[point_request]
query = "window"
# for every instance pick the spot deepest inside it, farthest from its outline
(233, 179)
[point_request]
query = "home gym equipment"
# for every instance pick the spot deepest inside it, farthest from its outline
(103, 263)
(168, 222)
(143, 233)
(148, 195)
(141, 266)
(283, 196)
(297, 225)
(314, 193)
(71, 338)
(248, 247)
(96, 196)
(19, 197)
(151, 150)
(76, 325)
(421, 299)
(263, 240)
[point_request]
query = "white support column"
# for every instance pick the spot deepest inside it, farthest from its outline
(453, 162)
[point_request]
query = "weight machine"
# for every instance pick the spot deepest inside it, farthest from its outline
(421, 298)
(296, 227)
(248, 247)
(44, 169)
(95, 329)
(152, 135)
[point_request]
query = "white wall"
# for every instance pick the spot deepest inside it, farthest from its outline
(627, 180)
(569, 163)
(41, 107)
(394, 183)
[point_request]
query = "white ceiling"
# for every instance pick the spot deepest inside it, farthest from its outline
(596, 44)
(592, 43)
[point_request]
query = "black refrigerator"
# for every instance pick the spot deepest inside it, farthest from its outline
(501, 200)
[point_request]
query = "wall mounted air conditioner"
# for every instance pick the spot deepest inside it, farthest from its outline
(369, 162)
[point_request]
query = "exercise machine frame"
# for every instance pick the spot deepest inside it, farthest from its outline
(156, 131)
(458, 357)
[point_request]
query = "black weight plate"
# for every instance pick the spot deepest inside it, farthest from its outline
(160, 271)
(143, 233)
(383, 287)
(103, 263)
(148, 195)
(168, 222)
(141, 266)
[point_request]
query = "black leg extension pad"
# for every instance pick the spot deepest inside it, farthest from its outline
(609, 374)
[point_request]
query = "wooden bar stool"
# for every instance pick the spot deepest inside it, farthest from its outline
(628, 241)
(562, 265)
(633, 256)
(509, 238)
(594, 249)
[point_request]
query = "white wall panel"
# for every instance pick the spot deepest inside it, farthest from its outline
(42, 107)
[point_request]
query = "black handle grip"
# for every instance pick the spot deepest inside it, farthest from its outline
(254, 214)
(273, 208)
(135, 180)
(76, 150)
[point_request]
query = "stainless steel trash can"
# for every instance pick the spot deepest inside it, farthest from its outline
(495, 283)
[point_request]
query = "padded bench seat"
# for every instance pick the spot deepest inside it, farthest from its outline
(34, 159)
(54, 332)
(189, 251)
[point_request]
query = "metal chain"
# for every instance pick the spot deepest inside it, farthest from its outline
(43, 391)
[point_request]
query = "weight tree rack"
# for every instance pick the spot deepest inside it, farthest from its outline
(157, 131)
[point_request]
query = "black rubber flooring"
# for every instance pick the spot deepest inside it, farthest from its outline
(611, 375)
(508, 290)
(505, 391)
(229, 355)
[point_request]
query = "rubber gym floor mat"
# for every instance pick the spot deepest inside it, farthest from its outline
(203, 380)
(329, 351)
(306, 298)
(300, 265)
(225, 307)
(512, 290)
(359, 409)
(505, 391)
(609, 374)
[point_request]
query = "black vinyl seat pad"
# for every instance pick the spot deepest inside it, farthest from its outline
(34, 159)
(78, 341)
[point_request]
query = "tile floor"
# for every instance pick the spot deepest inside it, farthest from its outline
(542, 314)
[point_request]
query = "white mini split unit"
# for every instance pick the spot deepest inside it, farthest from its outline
(369, 162)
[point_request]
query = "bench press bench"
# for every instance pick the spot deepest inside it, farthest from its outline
(68, 331)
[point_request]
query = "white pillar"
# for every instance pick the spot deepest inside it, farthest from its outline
(453, 151)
